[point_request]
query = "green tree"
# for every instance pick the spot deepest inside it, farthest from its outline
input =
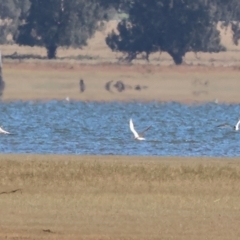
(228, 13)
(10, 11)
(172, 26)
(55, 23)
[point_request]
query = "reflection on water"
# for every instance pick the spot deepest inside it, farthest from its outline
(62, 127)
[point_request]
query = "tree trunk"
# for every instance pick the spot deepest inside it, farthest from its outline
(51, 51)
(177, 57)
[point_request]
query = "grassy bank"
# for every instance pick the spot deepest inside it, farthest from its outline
(111, 197)
(55, 80)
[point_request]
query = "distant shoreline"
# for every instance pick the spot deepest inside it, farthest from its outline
(53, 80)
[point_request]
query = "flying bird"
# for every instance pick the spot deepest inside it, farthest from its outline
(3, 131)
(136, 135)
(236, 127)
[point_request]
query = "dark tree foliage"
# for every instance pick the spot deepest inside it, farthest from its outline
(173, 26)
(55, 23)
(228, 12)
(121, 5)
(10, 11)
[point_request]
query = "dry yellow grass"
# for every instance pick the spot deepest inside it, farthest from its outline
(111, 197)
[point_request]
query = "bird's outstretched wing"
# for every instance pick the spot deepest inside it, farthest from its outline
(142, 133)
(224, 125)
(237, 125)
(3, 131)
(132, 129)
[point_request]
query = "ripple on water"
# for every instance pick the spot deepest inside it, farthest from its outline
(62, 127)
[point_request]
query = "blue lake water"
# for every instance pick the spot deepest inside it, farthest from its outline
(61, 127)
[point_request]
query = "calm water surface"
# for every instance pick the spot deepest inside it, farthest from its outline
(61, 127)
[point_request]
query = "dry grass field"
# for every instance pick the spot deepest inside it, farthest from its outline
(205, 77)
(113, 197)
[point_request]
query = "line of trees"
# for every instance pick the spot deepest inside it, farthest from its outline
(172, 26)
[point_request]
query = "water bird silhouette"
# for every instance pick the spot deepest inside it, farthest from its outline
(225, 125)
(2, 131)
(137, 136)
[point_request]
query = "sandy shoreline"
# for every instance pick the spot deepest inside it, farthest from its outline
(187, 84)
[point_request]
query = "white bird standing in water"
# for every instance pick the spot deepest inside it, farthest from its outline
(136, 135)
(3, 131)
(236, 127)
